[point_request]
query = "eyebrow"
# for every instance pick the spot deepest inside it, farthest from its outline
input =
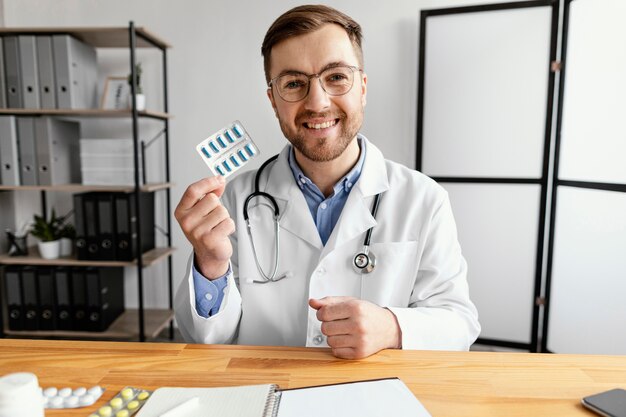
(327, 66)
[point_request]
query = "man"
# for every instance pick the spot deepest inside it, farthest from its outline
(324, 184)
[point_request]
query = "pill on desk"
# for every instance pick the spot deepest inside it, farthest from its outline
(205, 152)
(229, 136)
(50, 392)
(143, 395)
(87, 399)
(127, 393)
(105, 411)
(71, 401)
(237, 131)
(132, 405)
(122, 413)
(212, 146)
(65, 392)
(220, 140)
(96, 391)
(56, 402)
(116, 403)
(79, 392)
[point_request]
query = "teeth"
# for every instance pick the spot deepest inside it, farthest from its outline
(320, 125)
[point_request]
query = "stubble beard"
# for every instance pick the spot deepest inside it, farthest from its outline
(323, 149)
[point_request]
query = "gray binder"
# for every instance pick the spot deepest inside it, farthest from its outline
(13, 72)
(3, 90)
(76, 73)
(28, 66)
(47, 89)
(9, 151)
(57, 151)
(26, 146)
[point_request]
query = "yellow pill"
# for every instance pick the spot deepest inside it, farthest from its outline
(132, 405)
(122, 413)
(127, 393)
(142, 396)
(116, 402)
(105, 411)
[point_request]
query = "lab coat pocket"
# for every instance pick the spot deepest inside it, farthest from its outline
(391, 282)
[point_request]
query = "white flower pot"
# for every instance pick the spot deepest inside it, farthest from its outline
(140, 101)
(67, 245)
(49, 250)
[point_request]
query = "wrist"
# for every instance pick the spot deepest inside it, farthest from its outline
(395, 336)
(211, 270)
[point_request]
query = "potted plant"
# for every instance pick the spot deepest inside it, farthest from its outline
(47, 231)
(67, 235)
(140, 98)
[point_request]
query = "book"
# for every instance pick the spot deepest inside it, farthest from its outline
(372, 398)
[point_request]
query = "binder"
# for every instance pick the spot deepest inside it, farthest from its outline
(75, 67)
(79, 299)
(3, 88)
(90, 220)
(30, 299)
(26, 148)
(28, 66)
(105, 296)
(106, 220)
(63, 303)
(9, 152)
(126, 218)
(57, 147)
(47, 87)
(47, 298)
(15, 304)
(79, 225)
(12, 72)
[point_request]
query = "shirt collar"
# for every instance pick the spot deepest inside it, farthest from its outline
(347, 182)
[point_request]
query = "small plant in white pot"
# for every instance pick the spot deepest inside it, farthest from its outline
(47, 231)
(140, 98)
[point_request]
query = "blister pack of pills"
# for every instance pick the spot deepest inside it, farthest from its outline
(227, 150)
(67, 397)
(126, 403)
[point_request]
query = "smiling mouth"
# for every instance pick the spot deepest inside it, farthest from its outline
(319, 126)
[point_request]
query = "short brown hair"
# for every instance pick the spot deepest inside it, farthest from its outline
(306, 19)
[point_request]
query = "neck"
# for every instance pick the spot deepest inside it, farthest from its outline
(326, 174)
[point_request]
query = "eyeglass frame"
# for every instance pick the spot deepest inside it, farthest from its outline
(354, 68)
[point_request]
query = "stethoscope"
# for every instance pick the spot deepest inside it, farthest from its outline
(364, 261)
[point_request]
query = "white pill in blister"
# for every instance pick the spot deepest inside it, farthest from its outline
(97, 390)
(71, 401)
(87, 400)
(80, 391)
(56, 402)
(65, 392)
(50, 392)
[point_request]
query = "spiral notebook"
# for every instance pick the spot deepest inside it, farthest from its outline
(373, 398)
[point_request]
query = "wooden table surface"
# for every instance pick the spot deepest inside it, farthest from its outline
(455, 384)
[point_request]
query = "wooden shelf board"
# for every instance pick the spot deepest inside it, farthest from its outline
(75, 188)
(84, 113)
(99, 37)
(149, 258)
(125, 327)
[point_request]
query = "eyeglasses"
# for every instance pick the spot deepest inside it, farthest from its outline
(295, 86)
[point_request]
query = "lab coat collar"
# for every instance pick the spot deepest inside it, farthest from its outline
(295, 215)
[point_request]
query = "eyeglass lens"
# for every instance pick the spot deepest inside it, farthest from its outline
(335, 81)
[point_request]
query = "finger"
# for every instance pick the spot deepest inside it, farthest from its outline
(199, 189)
(318, 303)
(345, 353)
(201, 226)
(337, 311)
(336, 327)
(340, 341)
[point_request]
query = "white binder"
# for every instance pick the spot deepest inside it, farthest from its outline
(47, 89)
(26, 147)
(28, 67)
(76, 73)
(3, 90)
(13, 72)
(57, 151)
(10, 173)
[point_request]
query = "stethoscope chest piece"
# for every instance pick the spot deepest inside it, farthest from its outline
(364, 262)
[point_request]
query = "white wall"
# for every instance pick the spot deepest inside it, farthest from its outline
(216, 74)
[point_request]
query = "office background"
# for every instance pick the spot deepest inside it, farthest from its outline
(215, 76)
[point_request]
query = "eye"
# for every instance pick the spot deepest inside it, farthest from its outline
(290, 82)
(337, 77)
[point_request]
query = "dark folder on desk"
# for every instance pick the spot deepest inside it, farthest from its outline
(105, 296)
(79, 300)
(15, 304)
(30, 298)
(9, 151)
(47, 298)
(63, 304)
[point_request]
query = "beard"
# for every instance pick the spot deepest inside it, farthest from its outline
(323, 149)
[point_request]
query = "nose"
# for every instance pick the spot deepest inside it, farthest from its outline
(317, 99)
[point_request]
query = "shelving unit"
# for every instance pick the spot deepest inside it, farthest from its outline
(137, 323)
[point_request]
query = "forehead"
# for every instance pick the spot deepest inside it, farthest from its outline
(310, 52)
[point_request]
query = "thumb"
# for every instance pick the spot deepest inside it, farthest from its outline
(318, 303)
(221, 186)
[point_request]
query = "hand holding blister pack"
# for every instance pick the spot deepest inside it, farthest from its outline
(227, 150)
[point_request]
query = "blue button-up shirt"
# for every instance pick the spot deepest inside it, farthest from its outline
(325, 212)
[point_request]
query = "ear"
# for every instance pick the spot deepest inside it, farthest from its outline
(363, 89)
(270, 95)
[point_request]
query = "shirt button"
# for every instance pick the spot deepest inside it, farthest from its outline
(321, 271)
(208, 296)
(318, 339)
(349, 184)
(323, 206)
(303, 180)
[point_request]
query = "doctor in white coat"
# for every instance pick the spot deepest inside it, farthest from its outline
(324, 184)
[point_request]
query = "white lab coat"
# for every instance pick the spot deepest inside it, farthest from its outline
(420, 273)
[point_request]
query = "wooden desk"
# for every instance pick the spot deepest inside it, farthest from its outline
(448, 383)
